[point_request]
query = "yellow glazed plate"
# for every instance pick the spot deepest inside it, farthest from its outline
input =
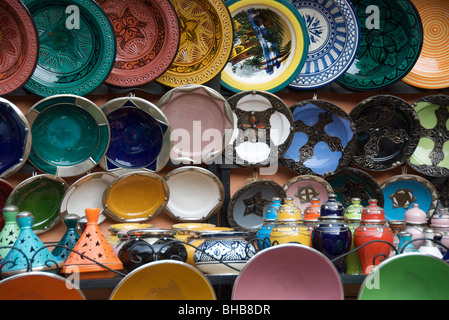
(135, 197)
(271, 45)
(164, 280)
(205, 43)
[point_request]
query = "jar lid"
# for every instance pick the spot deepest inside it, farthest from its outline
(150, 232)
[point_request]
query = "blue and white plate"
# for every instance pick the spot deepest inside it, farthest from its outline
(334, 33)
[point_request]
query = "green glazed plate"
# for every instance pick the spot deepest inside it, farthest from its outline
(390, 45)
(70, 135)
(409, 276)
(77, 47)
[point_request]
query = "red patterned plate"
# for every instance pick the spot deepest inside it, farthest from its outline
(18, 46)
(147, 34)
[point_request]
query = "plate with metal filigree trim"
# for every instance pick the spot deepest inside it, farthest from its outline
(147, 34)
(387, 132)
(246, 209)
(270, 46)
(431, 156)
(305, 187)
(205, 44)
(402, 191)
(351, 183)
(77, 47)
(334, 33)
(324, 138)
(19, 43)
(391, 41)
(264, 128)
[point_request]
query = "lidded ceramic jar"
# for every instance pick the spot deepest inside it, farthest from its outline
(415, 224)
(10, 231)
(269, 220)
(151, 244)
(353, 215)
(405, 243)
(373, 226)
(429, 247)
(69, 239)
(440, 223)
(311, 214)
(114, 229)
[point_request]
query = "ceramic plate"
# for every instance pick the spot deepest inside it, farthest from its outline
(42, 195)
(431, 157)
(351, 183)
(19, 43)
(289, 272)
(247, 206)
(387, 132)
(412, 276)
(70, 135)
(147, 34)
(265, 126)
(140, 135)
(38, 285)
(324, 139)
(15, 138)
(432, 67)
(391, 43)
(77, 47)
(334, 34)
(270, 45)
(205, 43)
(401, 191)
(201, 120)
(135, 197)
(305, 187)
(86, 192)
(196, 194)
(164, 280)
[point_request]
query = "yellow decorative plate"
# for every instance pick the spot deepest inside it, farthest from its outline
(164, 280)
(205, 43)
(432, 68)
(271, 45)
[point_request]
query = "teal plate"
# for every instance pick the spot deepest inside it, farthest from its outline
(70, 135)
(77, 47)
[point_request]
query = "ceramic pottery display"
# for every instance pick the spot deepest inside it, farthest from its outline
(331, 235)
(270, 46)
(405, 245)
(390, 44)
(387, 132)
(353, 215)
(205, 44)
(270, 216)
(10, 232)
(76, 50)
(147, 35)
(324, 139)
(312, 212)
(31, 254)
(20, 44)
(114, 229)
(69, 239)
(148, 245)
(334, 34)
(93, 245)
(440, 223)
(16, 138)
(429, 247)
(223, 253)
(373, 227)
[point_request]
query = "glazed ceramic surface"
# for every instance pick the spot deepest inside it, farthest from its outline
(201, 120)
(10, 231)
(147, 35)
(430, 71)
(206, 36)
(411, 276)
(164, 280)
(431, 156)
(70, 135)
(334, 34)
(324, 139)
(140, 135)
(264, 124)
(69, 238)
(15, 138)
(77, 50)
(19, 43)
(390, 44)
(289, 272)
(270, 46)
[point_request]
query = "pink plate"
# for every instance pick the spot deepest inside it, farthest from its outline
(18, 46)
(288, 272)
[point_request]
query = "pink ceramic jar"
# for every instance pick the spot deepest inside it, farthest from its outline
(415, 224)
